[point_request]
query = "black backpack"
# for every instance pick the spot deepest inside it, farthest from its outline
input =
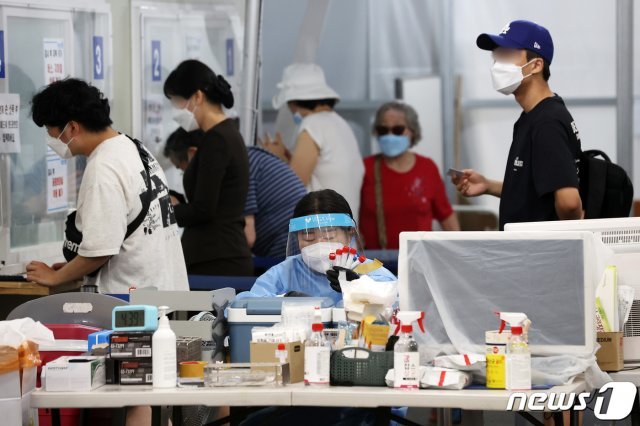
(605, 187)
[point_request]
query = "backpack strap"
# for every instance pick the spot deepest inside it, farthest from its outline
(382, 228)
(597, 183)
(147, 196)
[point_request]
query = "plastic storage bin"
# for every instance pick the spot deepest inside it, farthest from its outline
(366, 368)
(244, 314)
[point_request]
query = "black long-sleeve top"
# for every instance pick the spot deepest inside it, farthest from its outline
(216, 184)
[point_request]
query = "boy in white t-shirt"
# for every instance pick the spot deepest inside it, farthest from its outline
(124, 232)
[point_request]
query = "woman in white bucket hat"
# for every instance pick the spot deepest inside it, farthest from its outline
(326, 153)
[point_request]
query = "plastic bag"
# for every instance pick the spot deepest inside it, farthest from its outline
(364, 291)
(444, 378)
(19, 341)
(464, 362)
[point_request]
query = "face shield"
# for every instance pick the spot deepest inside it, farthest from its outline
(324, 241)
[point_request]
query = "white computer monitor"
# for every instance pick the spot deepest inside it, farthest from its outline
(460, 278)
(622, 235)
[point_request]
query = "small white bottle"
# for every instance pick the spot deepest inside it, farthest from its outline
(164, 353)
(317, 356)
(406, 360)
(518, 361)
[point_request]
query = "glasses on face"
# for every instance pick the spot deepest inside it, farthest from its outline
(384, 130)
(317, 235)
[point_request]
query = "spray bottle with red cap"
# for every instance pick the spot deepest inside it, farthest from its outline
(406, 358)
(518, 360)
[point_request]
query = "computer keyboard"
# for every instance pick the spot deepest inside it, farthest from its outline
(12, 278)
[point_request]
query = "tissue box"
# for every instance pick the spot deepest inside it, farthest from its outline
(293, 371)
(75, 374)
(610, 356)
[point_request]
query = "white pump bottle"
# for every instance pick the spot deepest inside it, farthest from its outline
(164, 353)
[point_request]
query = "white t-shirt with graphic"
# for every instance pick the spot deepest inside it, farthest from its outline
(109, 199)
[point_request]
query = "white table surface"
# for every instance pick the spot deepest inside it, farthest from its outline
(467, 399)
(111, 396)
(296, 395)
(632, 376)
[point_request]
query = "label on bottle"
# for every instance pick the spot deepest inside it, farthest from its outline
(316, 365)
(518, 371)
(496, 371)
(406, 366)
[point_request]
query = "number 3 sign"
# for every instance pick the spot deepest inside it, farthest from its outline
(98, 58)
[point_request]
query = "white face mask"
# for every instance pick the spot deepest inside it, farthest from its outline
(507, 77)
(316, 256)
(186, 119)
(59, 147)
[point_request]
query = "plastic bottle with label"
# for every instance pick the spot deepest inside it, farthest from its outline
(518, 361)
(406, 358)
(317, 356)
(164, 353)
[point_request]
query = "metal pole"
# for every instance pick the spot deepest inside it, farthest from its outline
(448, 88)
(624, 84)
(250, 71)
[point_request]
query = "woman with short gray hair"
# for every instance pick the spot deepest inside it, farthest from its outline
(401, 191)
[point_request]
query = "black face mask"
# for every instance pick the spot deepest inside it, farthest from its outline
(73, 236)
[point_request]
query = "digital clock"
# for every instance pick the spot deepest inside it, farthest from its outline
(134, 318)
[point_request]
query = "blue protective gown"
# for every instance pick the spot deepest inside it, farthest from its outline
(294, 275)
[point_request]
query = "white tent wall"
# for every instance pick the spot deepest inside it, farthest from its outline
(363, 48)
(122, 113)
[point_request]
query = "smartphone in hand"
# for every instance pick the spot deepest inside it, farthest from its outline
(457, 174)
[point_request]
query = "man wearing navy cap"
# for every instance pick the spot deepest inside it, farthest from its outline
(541, 177)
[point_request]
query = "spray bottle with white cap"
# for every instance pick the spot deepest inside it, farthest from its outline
(406, 358)
(518, 362)
(163, 344)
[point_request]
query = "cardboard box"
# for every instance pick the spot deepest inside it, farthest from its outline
(293, 371)
(75, 374)
(18, 411)
(610, 356)
(130, 344)
(136, 372)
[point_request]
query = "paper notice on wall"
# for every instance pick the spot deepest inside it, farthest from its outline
(57, 193)
(53, 59)
(9, 123)
(153, 130)
(194, 47)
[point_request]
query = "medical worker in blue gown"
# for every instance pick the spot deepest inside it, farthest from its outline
(322, 224)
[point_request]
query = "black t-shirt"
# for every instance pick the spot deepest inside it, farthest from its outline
(216, 184)
(544, 157)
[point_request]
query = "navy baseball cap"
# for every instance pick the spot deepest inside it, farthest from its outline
(520, 35)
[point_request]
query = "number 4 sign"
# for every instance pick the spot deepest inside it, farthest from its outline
(98, 58)
(156, 65)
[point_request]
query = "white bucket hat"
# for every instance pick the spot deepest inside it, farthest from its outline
(302, 82)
